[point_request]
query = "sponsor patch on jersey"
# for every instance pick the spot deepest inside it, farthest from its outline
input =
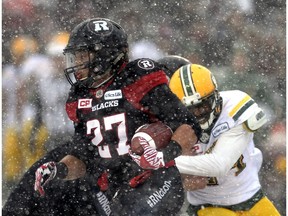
(84, 103)
(112, 95)
(219, 129)
(146, 64)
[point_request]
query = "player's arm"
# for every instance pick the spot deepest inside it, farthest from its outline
(162, 103)
(71, 166)
(223, 156)
(169, 109)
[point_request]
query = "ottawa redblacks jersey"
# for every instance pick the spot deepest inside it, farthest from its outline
(106, 118)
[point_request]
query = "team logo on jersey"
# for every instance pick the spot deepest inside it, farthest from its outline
(84, 103)
(112, 95)
(219, 129)
(145, 64)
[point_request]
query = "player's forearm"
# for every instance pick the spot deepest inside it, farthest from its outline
(226, 152)
(74, 169)
(184, 135)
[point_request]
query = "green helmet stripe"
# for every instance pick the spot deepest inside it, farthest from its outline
(186, 80)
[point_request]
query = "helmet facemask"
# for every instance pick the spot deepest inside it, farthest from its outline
(206, 110)
(101, 66)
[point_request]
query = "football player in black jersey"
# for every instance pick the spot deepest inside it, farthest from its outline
(72, 197)
(109, 99)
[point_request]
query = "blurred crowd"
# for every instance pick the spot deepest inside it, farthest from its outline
(242, 42)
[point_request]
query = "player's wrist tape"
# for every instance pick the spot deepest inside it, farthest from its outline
(172, 151)
(62, 170)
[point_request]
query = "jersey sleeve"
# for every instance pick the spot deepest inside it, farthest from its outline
(216, 163)
(149, 92)
(169, 109)
(242, 107)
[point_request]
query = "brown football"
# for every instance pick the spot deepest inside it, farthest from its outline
(156, 134)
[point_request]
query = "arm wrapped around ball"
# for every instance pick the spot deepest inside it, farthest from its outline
(150, 159)
(144, 145)
(144, 152)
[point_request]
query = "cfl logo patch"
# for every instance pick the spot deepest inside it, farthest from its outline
(84, 103)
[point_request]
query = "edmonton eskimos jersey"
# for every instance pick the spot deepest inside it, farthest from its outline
(241, 182)
(106, 118)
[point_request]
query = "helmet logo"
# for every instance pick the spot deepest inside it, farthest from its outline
(145, 64)
(100, 25)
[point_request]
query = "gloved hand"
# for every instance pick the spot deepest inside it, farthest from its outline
(150, 159)
(43, 175)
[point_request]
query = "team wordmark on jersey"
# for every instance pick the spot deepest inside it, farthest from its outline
(220, 129)
(145, 64)
(84, 103)
(104, 105)
(112, 95)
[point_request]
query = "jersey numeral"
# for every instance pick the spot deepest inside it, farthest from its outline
(93, 126)
(239, 165)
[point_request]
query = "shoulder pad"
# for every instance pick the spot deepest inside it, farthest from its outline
(142, 70)
(257, 120)
(242, 104)
(144, 65)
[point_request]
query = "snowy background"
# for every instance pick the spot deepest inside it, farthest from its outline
(242, 42)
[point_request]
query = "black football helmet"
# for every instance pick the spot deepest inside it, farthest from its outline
(104, 42)
(173, 63)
